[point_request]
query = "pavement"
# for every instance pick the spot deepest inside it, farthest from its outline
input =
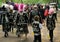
(44, 32)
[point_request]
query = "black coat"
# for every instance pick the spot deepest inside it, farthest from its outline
(41, 12)
(50, 23)
(22, 18)
(11, 17)
(5, 23)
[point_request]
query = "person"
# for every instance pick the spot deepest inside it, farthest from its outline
(34, 12)
(11, 19)
(37, 29)
(26, 25)
(41, 12)
(27, 10)
(21, 7)
(16, 6)
(21, 22)
(50, 23)
(46, 11)
(5, 25)
(31, 14)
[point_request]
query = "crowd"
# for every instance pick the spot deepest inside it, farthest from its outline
(20, 16)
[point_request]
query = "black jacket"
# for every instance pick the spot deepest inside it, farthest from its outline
(50, 23)
(21, 18)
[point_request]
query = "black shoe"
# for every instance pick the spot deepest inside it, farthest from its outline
(51, 40)
(5, 35)
(18, 35)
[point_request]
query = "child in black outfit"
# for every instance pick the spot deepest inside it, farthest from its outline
(37, 29)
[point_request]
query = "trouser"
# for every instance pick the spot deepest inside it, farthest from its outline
(51, 35)
(37, 38)
(18, 30)
(6, 33)
(11, 26)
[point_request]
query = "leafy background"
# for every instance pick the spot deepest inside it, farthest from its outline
(30, 1)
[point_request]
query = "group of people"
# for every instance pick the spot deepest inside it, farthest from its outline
(21, 15)
(38, 16)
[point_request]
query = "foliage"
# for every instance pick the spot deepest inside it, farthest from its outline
(0, 2)
(32, 1)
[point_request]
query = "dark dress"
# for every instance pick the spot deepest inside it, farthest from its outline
(22, 22)
(11, 20)
(5, 24)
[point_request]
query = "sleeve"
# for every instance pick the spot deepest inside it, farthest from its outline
(40, 26)
(46, 13)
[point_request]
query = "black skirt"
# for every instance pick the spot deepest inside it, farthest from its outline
(5, 28)
(23, 28)
(26, 29)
